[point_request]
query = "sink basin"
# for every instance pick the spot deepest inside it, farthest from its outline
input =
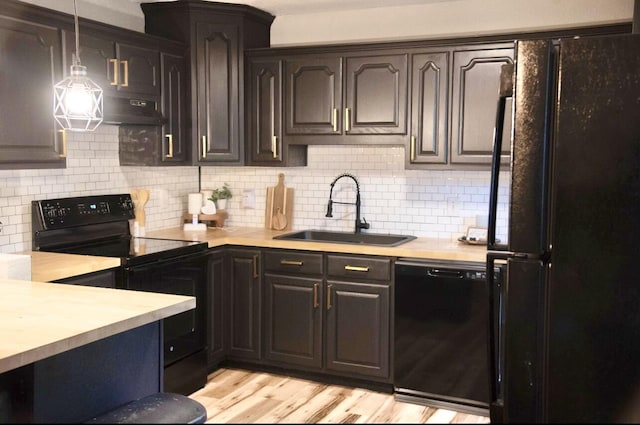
(344, 237)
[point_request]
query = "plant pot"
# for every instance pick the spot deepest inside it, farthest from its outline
(221, 204)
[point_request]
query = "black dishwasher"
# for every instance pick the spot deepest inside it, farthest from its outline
(441, 324)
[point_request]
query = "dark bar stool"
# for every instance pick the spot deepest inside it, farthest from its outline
(159, 408)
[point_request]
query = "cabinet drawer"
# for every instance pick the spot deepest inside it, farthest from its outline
(349, 266)
(293, 262)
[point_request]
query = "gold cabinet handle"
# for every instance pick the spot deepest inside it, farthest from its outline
(274, 146)
(63, 154)
(255, 266)
(315, 295)
(204, 146)
(114, 82)
(329, 297)
(347, 116)
(291, 263)
(334, 121)
(170, 142)
(413, 148)
(356, 268)
(126, 73)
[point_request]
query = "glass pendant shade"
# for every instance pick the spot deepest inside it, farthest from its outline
(77, 101)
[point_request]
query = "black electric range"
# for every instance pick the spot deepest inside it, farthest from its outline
(99, 225)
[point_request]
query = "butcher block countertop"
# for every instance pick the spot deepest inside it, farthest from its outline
(422, 248)
(50, 266)
(47, 266)
(39, 320)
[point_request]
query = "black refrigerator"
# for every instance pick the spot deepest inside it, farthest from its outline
(565, 321)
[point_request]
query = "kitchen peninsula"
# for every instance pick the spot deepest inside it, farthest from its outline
(72, 352)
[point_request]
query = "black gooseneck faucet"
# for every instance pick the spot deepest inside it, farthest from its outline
(360, 224)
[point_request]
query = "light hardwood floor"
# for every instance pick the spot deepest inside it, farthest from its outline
(240, 396)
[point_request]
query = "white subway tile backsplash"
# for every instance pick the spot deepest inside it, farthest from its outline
(429, 203)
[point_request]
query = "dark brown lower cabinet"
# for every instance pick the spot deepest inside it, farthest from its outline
(216, 320)
(293, 320)
(244, 303)
(357, 318)
(339, 326)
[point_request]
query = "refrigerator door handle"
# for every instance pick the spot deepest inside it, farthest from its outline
(506, 91)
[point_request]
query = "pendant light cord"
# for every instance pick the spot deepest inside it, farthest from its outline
(75, 18)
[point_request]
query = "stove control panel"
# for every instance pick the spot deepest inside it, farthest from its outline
(69, 212)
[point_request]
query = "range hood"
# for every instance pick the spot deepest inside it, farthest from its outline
(124, 110)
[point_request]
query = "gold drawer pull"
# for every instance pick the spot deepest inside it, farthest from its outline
(315, 295)
(335, 119)
(347, 119)
(255, 266)
(63, 154)
(290, 263)
(204, 147)
(274, 146)
(170, 145)
(114, 82)
(126, 73)
(356, 268)
(329, 297)
(413, 148)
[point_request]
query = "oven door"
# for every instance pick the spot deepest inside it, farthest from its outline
(184, 333)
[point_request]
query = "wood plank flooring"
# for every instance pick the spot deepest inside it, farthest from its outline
(241, 396)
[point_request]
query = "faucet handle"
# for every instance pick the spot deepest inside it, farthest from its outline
(363, 224)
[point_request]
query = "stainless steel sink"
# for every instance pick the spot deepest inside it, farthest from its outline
(344, 237)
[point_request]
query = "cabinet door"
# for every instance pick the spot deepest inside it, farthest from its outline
(139, 69)
(264, 128)
(293, 320)
(313, 95)
(244, 303)
(174, 99)
(31, 58)
(376, 95)
(98, 55)
(476, 79)
(115, 66)
(216, 319)
(357, 317)
(429, 103)
(217, 62)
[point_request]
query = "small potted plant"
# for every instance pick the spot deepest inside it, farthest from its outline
(220, 196)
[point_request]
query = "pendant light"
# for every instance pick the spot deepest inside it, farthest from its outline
(77, 101)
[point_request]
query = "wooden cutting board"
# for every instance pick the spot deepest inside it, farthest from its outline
(278, 213)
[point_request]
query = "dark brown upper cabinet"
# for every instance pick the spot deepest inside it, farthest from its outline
(313, 93)
(429, 108)
(175, 146)
(476, 79)
(216, 35)
(167, 144)
(264, 141)
(376, 95)
(344, 96)
(117, 67)
(31, 53)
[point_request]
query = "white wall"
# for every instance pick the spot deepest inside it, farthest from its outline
(446, 19)
(430, 20)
